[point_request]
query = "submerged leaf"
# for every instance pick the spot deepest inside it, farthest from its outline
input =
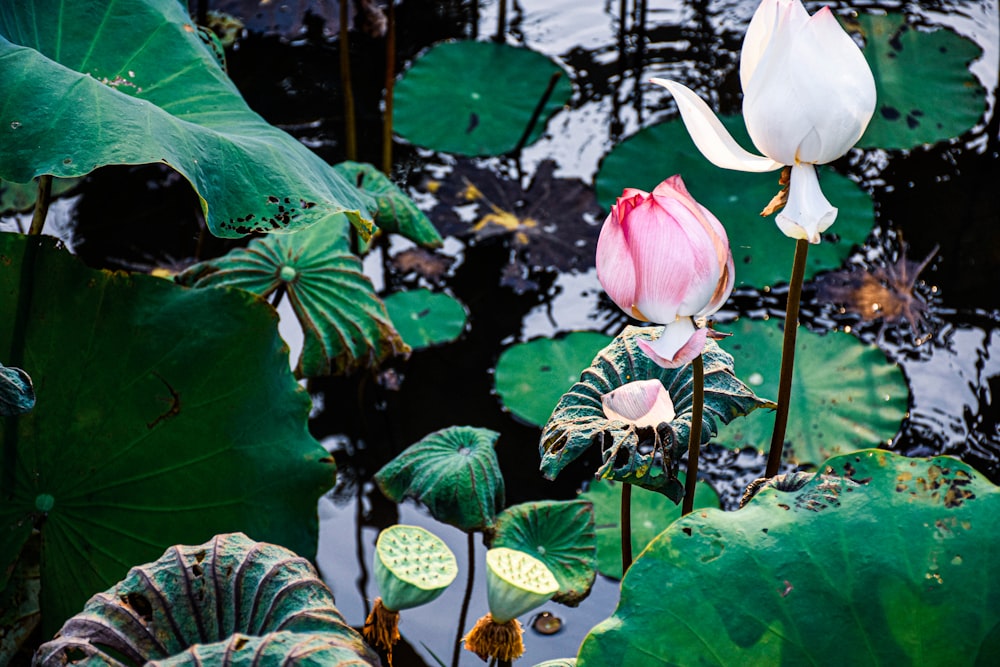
(133, 82)
(882, 560)
(344, 324)
(454, 472)
(642, 456)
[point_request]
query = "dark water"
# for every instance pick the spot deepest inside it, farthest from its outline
(942, 196)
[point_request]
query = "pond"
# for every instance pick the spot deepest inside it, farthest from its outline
(934, 247)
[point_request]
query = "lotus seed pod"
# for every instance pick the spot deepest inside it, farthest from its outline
(412, 566)
(516, 582)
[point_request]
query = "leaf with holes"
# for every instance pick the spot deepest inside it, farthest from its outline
(206, 604)
(344, 324)
(477, 98)
(885, 560)
(640, 455)
(762, 254)
(926, 92)
(845, 394)
(560, 533)
(454, 472)
(168, 415)
(87, 84)
(424, 318)
(651, 514)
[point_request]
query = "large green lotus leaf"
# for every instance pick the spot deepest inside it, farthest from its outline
(476, 98)
(926, 92)
(651, 513)
(640, 456)
(845, 394)
(454, 472)
(531, 377)
(86, 84)
(424, 318)
(345, 326)
(164, 415)
(763, 255)
(397, 213)
(885, 560)
(301, 649)
(560, 533)
(204, 594)
(17, 395)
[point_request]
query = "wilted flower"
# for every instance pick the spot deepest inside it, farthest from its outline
(808, 95)
(664, 258)
(641, 402)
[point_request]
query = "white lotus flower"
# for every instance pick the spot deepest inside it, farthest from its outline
(808, 95)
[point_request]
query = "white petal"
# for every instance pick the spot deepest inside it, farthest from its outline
(807, 213)
(642, 402)
(709, 134)
(756, 39)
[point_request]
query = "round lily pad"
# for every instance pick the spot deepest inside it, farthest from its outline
(424, 318)
(883, 560)
(761, 252)
(926, 92)
(531, 377)
(476, 98)
(651, 514)
(846, 395)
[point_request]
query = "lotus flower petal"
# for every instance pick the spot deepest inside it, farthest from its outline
(679, 344)
(614, 263)
(807, 213)
(642, 402)
(710, 136)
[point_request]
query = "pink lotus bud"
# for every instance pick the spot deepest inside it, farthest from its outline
(642, 402)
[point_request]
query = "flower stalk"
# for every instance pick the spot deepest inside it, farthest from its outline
(626, 526)
(694, 440)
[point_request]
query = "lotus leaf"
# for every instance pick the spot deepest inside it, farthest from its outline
(883, 560)
(761, 252)
(87, 84)
(560, 533)
(845, 394)
(269, 602)
(531, 377)
(651, 513)
(640, 456)
(476, 98)
(152, 427)
(454, 472)
(926, 92)
(344, 324)
(17, 395)
(424, 318)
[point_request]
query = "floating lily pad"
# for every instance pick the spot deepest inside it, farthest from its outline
(531, 377)
(845, 394)
(424, 318)
(167, 414)
(886, 560)
(344, 324)
(558, 533)
(926, 92)
(762, 254)
(133, 82)
(640, 455)
(651, 514)
(17, 395)
(454, 472)
(476, 98)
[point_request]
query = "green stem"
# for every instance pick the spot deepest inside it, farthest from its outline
(626, 521)
(456, 652)
(537, 112)
(351, 141)
(694, 439)
(787, 357)
(501, 21)
(42, 202)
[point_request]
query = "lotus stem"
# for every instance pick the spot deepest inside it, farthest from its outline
(465, 600)
(381, 628)
(279, 294)
(351, 140)
(390, 82)
(787, 357)
(536, 114)
(501, 21)
(694, 439)
(502, 641)
(42, 202)
(626, 522)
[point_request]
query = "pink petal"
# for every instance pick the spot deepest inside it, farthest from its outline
(679, 344)
(615, 269)
(807, 213)
(642, 402)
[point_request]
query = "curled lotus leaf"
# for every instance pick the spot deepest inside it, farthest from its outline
(641, 455)
(454, 472)
(17, 395)
(232, 596)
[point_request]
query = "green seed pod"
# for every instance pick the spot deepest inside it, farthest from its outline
(516, 582)
(412, 566)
